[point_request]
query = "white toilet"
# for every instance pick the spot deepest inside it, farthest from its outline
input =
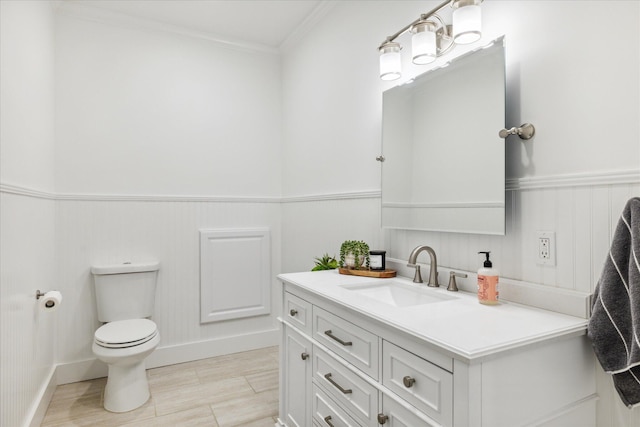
(125, 296)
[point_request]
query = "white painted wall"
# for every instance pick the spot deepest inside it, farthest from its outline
(125, 129)
(27, 335)
(578, 87)
(92, 231)
(568, 80)
(181, 134)
(27, 95)
(142, 112)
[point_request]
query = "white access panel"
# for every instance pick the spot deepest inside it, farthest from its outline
(235, 273)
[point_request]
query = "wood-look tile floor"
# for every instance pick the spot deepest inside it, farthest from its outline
(233, 390)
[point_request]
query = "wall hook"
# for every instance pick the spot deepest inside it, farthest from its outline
(525, 131)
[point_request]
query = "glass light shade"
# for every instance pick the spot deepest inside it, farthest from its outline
(423, 43)
(390, 61)
(467, 24)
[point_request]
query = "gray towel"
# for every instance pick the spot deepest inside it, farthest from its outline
(614, 326)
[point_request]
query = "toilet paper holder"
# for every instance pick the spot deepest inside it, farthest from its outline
(50, 303)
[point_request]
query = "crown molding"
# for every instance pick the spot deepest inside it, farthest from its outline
(103, 16)
(319, 12)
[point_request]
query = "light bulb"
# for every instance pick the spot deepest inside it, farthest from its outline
(423, 43)
(467, 21)
(390, 61)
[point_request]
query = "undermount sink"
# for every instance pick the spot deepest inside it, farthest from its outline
(398, 294)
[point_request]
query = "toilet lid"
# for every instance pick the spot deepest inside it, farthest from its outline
(125, 333)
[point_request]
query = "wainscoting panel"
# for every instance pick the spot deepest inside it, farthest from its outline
(235, 274)
(312, 228)
(27, 334)
(100, 231)
(582, 217)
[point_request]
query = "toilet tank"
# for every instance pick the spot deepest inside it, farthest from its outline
(125, 291)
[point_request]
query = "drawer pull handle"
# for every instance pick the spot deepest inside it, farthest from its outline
(336, 385)
(344, 343)
(408, 381)
(382, 418)
(304, 356)
(293, 312)
(327, 420)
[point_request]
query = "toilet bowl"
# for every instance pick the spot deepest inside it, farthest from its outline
(124, 345)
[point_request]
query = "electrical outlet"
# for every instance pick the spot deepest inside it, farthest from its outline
(546, 248)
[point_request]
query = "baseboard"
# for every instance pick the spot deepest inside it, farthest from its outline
(93, 368)
(211, 348)
(40, 405)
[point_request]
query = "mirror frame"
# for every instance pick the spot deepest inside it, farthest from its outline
(476, 213)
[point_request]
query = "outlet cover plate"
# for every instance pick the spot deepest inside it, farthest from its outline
(546, 248)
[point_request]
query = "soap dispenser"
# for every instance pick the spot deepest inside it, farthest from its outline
(488, 282)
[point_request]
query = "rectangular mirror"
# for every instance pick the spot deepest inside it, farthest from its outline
(444, 163)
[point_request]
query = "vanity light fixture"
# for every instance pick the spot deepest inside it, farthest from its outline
(390, 61)
(432, 37)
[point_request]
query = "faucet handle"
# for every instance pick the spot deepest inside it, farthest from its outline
(417, 278)
(453, 286)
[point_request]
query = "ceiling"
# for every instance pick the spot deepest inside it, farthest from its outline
(262, 22)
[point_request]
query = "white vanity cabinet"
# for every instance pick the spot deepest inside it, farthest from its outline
(365, 367)
(296, 365)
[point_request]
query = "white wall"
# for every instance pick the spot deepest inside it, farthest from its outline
(26, 223)
(158, 135)
(569, 81)
(579, 87)
(191, 136)
(114, 231)
(145, 112)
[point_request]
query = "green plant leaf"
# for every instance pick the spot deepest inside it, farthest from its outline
(325, 263)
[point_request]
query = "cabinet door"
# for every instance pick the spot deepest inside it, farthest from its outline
(297, 379)
(395, 415)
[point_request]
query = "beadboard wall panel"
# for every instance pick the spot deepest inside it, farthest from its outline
(116, 231)
(583, 219)
(583, 216)
(27, 334)
(313, 228)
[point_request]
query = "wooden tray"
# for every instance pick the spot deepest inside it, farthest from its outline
(368, 273)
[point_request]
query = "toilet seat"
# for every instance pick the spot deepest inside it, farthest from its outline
(125, 333)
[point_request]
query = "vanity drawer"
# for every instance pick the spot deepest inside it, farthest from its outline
(347, 388)
(354, 344)
(421, 383)
(398, 415)
(327, 413)
(297, 312)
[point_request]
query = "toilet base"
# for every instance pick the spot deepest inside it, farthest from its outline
(127, 387)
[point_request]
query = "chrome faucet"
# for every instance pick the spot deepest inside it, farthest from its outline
(433, 269)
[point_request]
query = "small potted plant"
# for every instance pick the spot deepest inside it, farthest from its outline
(353, 254)
(325, 263)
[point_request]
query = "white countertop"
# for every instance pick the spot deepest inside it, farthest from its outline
(460, 326)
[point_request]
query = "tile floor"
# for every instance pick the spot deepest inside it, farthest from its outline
(233, 390)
